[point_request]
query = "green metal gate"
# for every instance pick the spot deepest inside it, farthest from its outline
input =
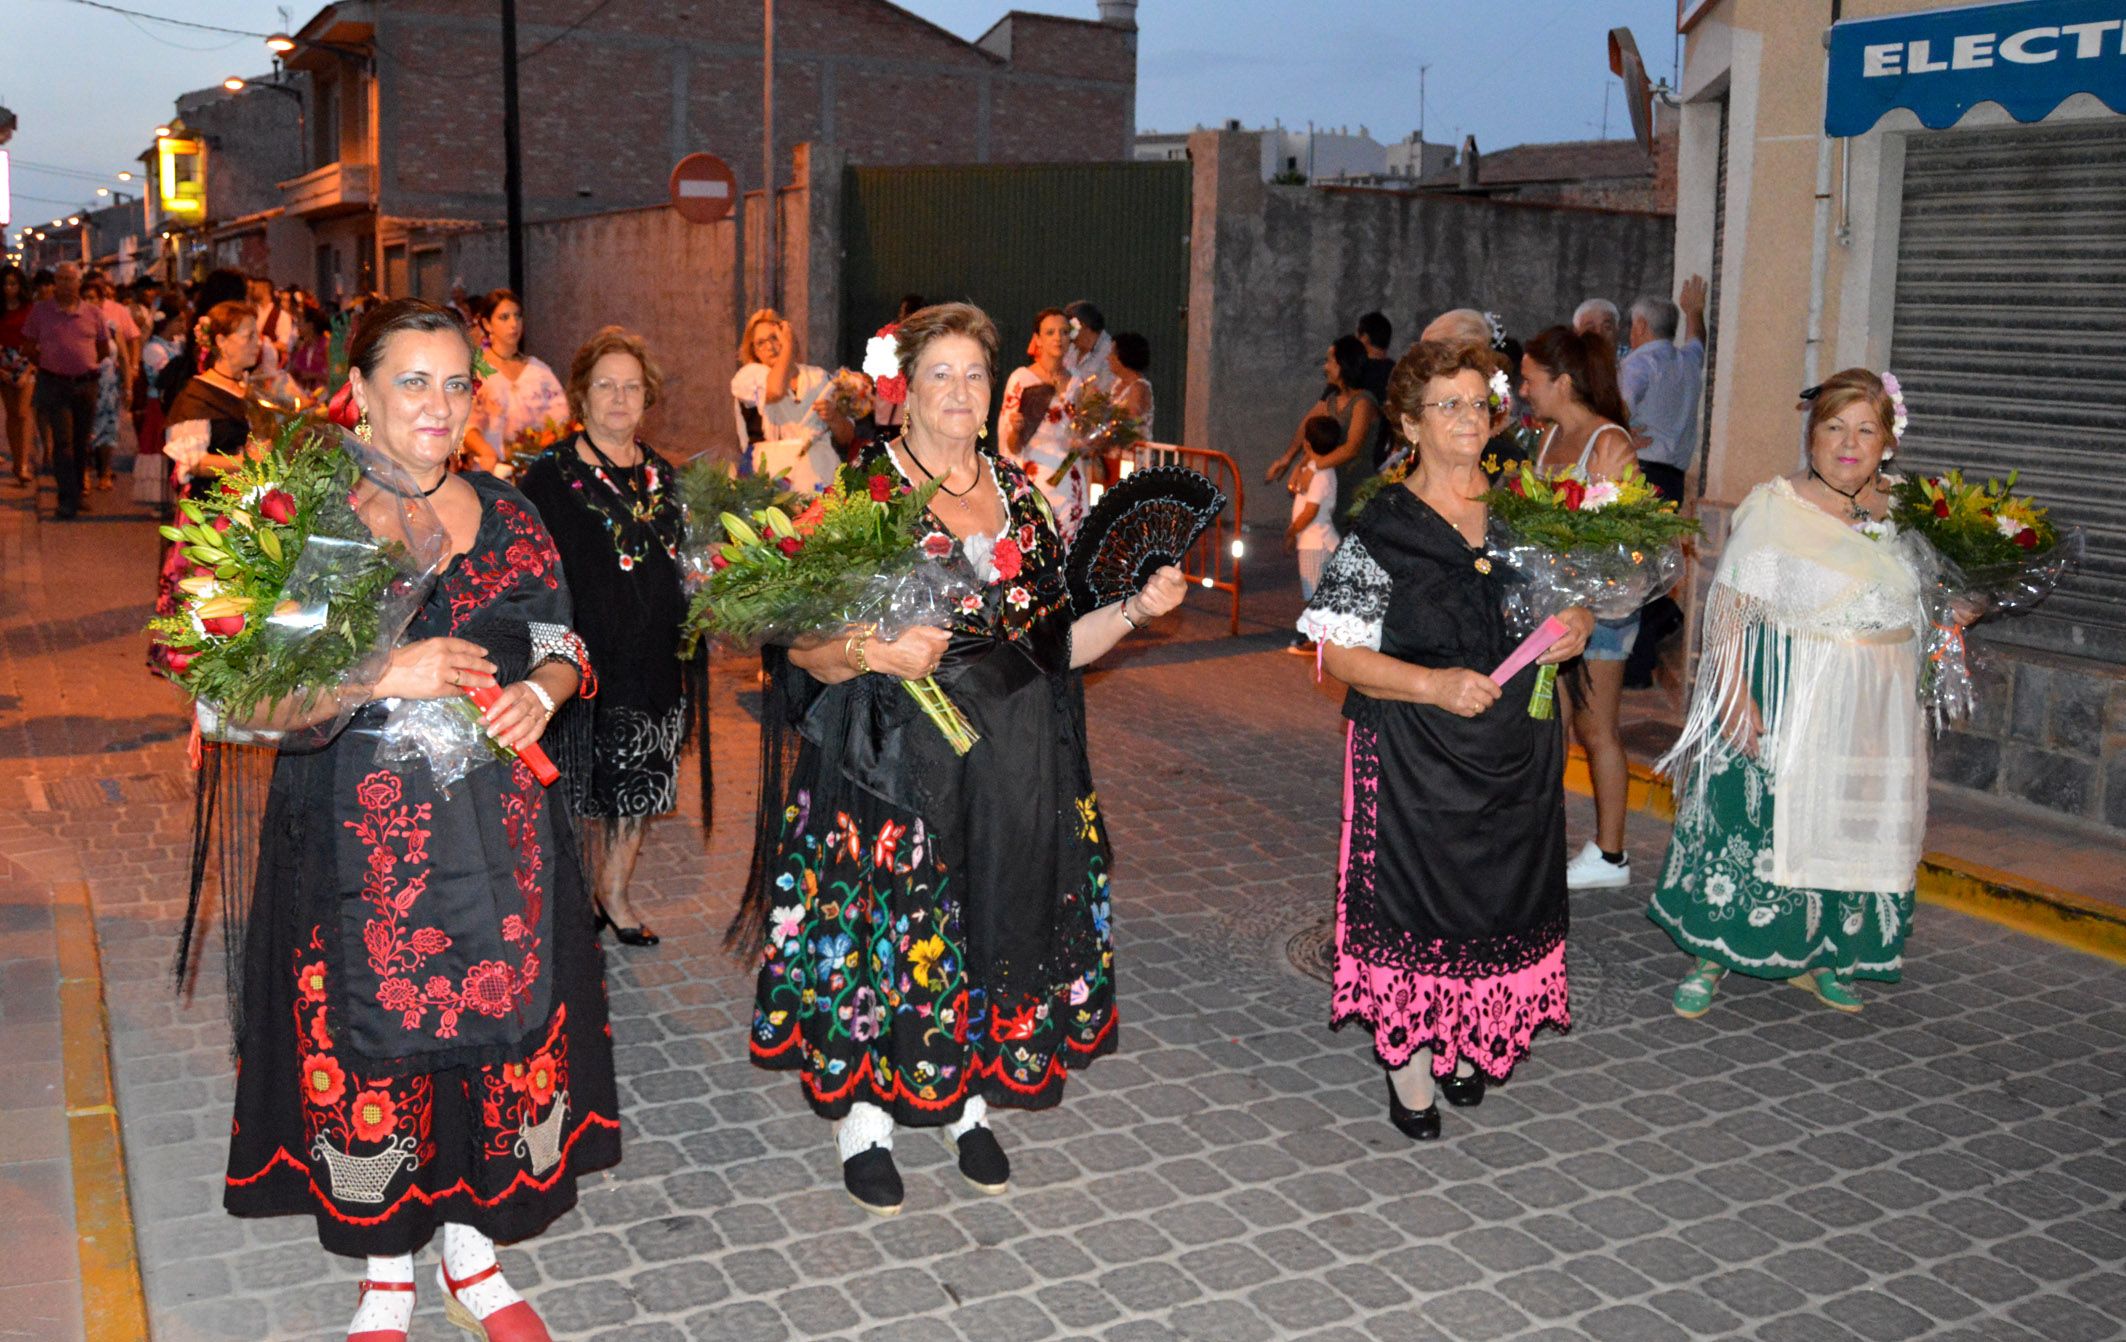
(1016, 239)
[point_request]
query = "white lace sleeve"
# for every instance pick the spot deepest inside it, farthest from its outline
(1351, 601)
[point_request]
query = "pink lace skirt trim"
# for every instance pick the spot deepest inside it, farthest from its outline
(1488, 1020)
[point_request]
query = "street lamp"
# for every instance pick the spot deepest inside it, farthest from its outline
(233, 84)
(162, 132)
(280, 44)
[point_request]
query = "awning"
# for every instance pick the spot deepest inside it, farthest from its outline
(2027, 56)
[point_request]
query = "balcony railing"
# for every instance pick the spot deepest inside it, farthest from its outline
(336, 188)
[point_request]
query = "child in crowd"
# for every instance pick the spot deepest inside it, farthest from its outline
(1313, 529)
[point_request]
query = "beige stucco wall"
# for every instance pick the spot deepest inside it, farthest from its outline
(1767, 57)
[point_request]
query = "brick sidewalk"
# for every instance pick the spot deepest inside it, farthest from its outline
(1944, 1165)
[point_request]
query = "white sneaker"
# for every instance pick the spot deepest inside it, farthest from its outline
(1592, 871)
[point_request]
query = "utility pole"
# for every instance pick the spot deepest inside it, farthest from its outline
(512, 147)
(768, 294)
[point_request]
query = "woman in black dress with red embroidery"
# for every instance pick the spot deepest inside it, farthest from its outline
(613, 508)
(422, 1037)
(935, 926)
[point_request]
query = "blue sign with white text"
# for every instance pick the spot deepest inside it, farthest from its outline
(2028, 56)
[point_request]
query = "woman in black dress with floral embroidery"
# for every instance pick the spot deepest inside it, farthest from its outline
(422, 1032)
(1450, 911)
(936, 926)
(610, 503)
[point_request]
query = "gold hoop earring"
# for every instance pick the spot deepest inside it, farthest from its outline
(361, 427)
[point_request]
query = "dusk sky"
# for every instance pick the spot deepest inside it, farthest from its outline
(90, 84)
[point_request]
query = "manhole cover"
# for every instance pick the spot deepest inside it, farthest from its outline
(1611, 971)
(1312, 949)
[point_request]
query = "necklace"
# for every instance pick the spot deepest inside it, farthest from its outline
(633, 514)
(1852, 500)
(442, 481)
(933, 475)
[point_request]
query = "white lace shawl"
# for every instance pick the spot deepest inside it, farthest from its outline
(1830, 616)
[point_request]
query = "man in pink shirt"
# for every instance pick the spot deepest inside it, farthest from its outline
(69, 339)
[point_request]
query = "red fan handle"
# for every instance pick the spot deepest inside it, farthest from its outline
(486, 696)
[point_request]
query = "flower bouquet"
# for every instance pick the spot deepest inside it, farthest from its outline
(1610, 546)
(848, 393)
(1987, 551)
(526, 444)
(850, 558)
(306, 564)
(710, 490)
(1097, 425)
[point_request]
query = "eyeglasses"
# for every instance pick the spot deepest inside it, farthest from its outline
(605, 386)
(1456, 407)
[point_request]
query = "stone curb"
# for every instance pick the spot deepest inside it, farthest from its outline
(113, 1301)
(2043, 911)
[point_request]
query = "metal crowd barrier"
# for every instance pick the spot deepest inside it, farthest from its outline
(1214, 561)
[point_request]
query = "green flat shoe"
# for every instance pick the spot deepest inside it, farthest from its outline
(1694, 996)
(1829, 989)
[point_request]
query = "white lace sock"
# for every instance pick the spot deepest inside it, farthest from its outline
(466, 1252)
(866, 1126)
(974, 1115)
(1413, 1080)
(385, 1311)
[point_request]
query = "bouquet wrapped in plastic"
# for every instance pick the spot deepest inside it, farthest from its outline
(306, 564)
(1097, 425)
(1611, 546)
(848, 393)
(708, 491)
(1981, 550)
(851, 558)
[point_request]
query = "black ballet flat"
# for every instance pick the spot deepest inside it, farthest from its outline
(1463, 1092)
(1419, 1125)
(982, 1161)
(637, 935)
(873, 1180)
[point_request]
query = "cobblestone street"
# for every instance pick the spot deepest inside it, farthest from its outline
(1947, 1164)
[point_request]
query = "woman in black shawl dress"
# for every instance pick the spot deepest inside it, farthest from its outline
(422, 1036)
(1450, 932)
(612, 506)
(935, 925)
(211, 402)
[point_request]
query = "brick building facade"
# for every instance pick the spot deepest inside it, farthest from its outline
(408, 107)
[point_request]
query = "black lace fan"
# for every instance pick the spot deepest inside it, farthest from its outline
(1145, 522)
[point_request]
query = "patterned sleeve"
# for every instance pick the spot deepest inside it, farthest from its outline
(1351, 601)
(559, 643)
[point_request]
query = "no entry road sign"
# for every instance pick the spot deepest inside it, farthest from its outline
(703, 189)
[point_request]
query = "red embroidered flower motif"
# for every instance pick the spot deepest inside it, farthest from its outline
(937, 545)
(398, 995)
(324, 1081)
(1008, 559)
(431, 940)
(311, 979)
(489, 988)
(374, 1115)
(1018, 1025)
(379, 791)
(971, 604)
(513, 928)
(1019, 598)
(540, 1078)
(889, 838)
(881, 488)
(1055, 412)
(1026, 536)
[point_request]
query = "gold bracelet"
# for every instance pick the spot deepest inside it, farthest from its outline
(853, 650)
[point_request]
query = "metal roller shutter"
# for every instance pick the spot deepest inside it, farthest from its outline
(1712, 307)
(2010, 339)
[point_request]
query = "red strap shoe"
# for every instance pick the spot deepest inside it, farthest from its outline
(511, 1323)
(363, 1288)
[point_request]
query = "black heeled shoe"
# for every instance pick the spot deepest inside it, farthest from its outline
(638, 935)
(1419, 1125)
(1463, 1092)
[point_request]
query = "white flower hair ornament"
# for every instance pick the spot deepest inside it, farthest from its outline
(1501, 390)
(882, 364)
(1896, 392)
(1498, 330)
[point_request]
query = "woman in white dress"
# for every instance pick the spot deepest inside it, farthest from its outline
(524, 395)
(1035, 424)
(772, 400)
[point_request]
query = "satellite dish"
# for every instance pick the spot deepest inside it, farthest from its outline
(1624, 62)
